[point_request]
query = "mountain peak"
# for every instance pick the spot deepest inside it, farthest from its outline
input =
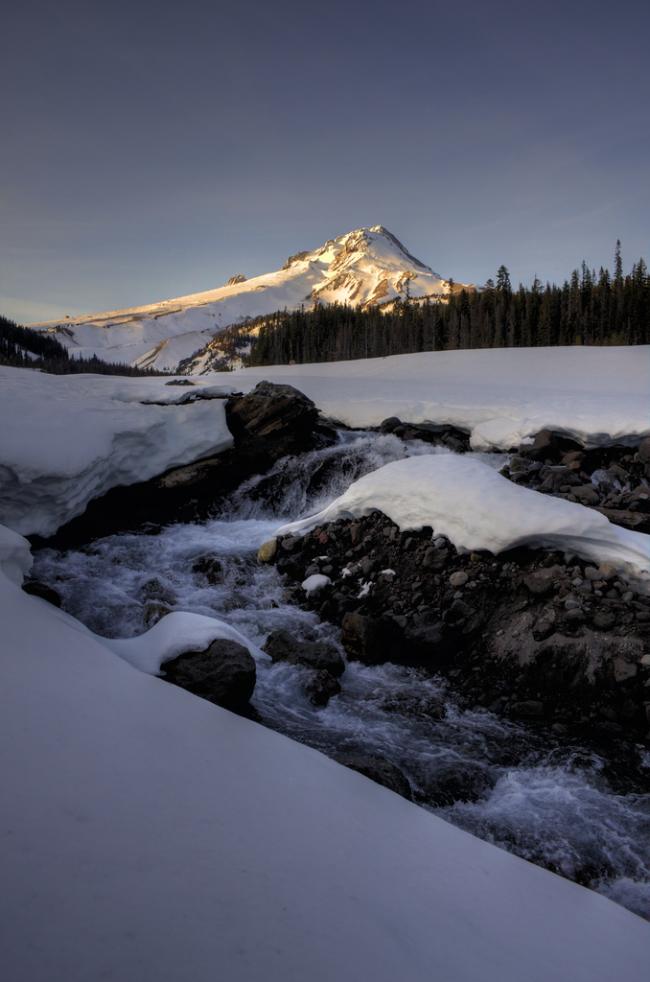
(367, 266)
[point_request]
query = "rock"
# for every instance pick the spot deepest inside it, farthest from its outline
(637, 521)
(267, 551)
(390, 424)
(378, 769)
(446, 782)
(153, 589)
(643, 453)
(458, 579)
(321, 687)
(604, 620)
(224, 674)
(154, 611)
(541, 581)
(527, 709)
(371, 640)
(586, 494)
(319, 655)
(549, 445)
(279, 418)
(210, 568)
(37, 589)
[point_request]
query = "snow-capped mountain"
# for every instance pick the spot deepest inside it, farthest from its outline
(363, 267)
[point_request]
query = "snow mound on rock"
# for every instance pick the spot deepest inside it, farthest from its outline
(476, 508)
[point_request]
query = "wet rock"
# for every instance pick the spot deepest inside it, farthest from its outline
(320, 687)
(154, 611)
(319, 655)
(378, 769)
(155, 590)
(267, 551)
(42, 590)
(224, 673)
(210, 568)
(527, 709)
(446, 782)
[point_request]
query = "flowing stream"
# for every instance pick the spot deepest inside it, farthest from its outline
(577, 809)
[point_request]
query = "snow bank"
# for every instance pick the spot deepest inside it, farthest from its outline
(68, 438)
(502, 396)
(149, 833)
(476, 508)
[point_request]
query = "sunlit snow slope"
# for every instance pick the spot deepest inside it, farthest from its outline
(366, 266)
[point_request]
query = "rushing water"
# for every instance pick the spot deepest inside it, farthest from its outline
(561, 806)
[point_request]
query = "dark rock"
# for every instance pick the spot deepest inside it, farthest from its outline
(153, 589)
(224, 674)
(446, 782)
(42, 590)
(209, 567)
(154, 611)
(319, 655)
(378, 769)
(320, 687)
(549, 445)
(527, 709)
(275, 416)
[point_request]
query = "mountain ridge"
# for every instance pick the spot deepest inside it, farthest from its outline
(366, 266)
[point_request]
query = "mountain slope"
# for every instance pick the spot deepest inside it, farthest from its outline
(366, 266)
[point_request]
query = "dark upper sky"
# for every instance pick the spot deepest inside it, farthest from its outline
(151, 149)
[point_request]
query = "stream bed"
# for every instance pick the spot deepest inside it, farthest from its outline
(573, 808)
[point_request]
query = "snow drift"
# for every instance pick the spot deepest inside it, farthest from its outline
(67, 439)
(476, 508)
(148, 832)
(501, 395)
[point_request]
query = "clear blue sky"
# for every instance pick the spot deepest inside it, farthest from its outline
(151, 149)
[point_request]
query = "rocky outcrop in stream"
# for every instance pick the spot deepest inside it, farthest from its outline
(613, 479)
(532, 634)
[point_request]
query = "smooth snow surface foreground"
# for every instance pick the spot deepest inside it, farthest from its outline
(501, 395)
(148, 834)
(476, 508)
(66, 439)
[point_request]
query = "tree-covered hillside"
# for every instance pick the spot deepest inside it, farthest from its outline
(25, 348)
(589, 308)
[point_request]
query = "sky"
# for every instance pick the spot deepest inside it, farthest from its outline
(150, 149)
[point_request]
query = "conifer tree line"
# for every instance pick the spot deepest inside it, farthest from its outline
(26, 348)
(589, 308)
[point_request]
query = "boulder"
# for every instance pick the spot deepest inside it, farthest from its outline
(320, 687)
(38, 589)
(224, 673)
(277, 418)
(319, 655)
(378, 769)
(549, 445)
(209, 568)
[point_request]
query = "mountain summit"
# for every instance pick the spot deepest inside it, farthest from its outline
(368, 266)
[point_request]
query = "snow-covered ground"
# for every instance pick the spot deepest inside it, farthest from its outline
(476, 508)
(66, 439)
(150, 834)
(501, 395)
(368, 265)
